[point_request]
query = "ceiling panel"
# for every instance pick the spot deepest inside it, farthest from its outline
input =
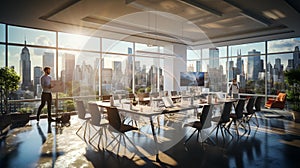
(190, 21)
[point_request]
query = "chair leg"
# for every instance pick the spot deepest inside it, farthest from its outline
(257, 124)
(83, 125)
(132, 145)
(115, 138)
(190, 137)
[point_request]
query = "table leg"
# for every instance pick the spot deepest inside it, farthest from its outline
(155, 139)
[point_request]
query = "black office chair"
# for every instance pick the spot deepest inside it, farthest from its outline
(223, 120)
(120, 128)
(204, 122)
(237, 117)
(250, 112)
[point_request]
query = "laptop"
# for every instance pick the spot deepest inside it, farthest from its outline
(168, 102)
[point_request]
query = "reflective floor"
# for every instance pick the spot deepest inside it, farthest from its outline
(275, 143)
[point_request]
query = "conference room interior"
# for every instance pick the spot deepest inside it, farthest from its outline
(176, 58)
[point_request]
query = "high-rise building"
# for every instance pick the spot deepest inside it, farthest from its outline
(231, 70)
(239, 63)
(254, 65)
(198, 66)
(290, 64)
(117, 67)
(277, 64)
(214, 58)
(25, 68)
(48, 60)
(69, 65)
(296, 57)
(37, 73)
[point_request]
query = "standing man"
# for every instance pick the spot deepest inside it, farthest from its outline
(46, 94)
(234, 89)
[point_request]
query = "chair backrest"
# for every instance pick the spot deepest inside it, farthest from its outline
(250, 105)
(106, 97)
(257, 104)
(154, 94)
(239, 108)
(225, 117)
(95, 113)
(80, 108)
(141, 96)
(173, 93)
(205, 117)
(130, 96)
(113, 117)
(281, 97)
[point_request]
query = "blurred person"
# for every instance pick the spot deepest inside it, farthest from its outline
(46, 94)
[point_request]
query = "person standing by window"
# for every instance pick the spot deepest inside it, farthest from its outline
(234, 89)
(46, 94)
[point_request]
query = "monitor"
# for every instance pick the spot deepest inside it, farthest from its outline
(192, 78)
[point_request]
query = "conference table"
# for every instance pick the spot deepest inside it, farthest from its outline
(151, 112)
(148, 112)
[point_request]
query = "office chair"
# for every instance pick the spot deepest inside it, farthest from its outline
(199, 125)
(82, 114)
(120, 128)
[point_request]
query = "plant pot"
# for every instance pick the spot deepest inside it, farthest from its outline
(19, 119)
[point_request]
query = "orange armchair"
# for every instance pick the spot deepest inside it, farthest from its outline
(278, 102)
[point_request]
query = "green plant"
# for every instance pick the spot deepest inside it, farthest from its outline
(9, 82)
(148, 89)
(69, 105)
(25, 110)
(292, 78)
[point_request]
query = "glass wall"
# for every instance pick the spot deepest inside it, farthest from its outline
(2, 32)
(32, 36)
(80, 42)
(116, 74)
(2, 55)
(250, 64)
(83, 62)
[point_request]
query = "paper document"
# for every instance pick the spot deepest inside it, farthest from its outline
(57, 86)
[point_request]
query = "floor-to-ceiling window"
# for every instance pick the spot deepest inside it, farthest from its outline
(149, 70)
(78, 64)
(247, 66)
(254, 65)
(117, 66)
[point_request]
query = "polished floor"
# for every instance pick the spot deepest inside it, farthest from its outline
(275, 143)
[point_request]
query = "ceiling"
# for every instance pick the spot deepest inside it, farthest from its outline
(159, 22)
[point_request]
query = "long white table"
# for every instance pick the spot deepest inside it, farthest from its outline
(146, 112)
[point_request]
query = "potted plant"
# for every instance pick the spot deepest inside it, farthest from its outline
(293, 93)
(9, 81)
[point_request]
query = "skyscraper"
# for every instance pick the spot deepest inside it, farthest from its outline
(198, 66)
(231, 70)
(296, 57)
(37, 73)
(239, 63)
(254, 66)
(48, 60)
(214, 58)
(69, 66)
(25, 68)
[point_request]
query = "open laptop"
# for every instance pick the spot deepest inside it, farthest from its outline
(168, 102)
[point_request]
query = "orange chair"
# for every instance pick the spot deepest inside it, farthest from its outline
(278, 102)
